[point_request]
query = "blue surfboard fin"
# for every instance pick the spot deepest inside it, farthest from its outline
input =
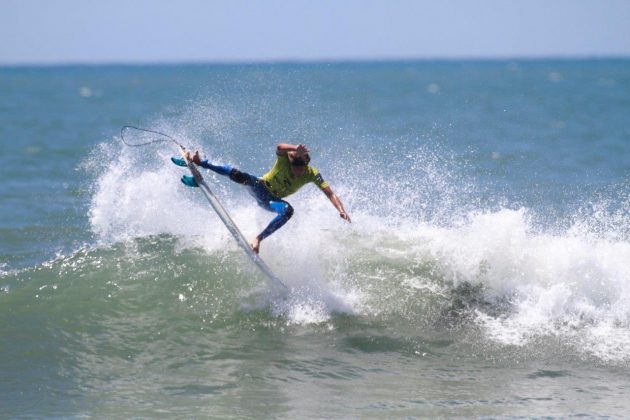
(189, 181)
(179, 161)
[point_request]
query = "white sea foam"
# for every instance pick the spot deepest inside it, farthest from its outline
(576, 286)
(570, 283)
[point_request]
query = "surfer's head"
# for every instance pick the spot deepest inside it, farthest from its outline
(298, 162)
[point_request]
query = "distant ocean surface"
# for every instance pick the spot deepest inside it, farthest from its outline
(486, 272)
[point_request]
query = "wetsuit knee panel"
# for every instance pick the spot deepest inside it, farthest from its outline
(282, 208)
(239, 177)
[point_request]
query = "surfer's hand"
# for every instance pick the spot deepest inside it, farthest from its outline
(196, 158)
(302, 149)
(345, 216)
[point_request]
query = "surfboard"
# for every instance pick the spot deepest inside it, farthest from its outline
(230, 225)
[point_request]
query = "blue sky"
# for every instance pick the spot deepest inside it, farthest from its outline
(136, 31)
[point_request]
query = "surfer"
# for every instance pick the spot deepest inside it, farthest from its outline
(290, 172)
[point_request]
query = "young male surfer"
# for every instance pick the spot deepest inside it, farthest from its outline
(290, 173)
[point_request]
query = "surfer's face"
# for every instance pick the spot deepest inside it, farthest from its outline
(298, 170)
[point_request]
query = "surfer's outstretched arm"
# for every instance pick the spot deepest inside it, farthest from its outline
(337, 203)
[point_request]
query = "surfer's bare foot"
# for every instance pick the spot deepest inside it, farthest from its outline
(255, 245)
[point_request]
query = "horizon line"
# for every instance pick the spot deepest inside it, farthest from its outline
(306, 61)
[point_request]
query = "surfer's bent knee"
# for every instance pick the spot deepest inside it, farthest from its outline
(283, 208)
(288, 212)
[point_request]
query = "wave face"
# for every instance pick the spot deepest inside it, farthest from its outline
(490, 240)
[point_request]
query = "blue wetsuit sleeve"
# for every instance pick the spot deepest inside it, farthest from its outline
(223, 169)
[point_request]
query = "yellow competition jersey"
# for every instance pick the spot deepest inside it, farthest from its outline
(282, 183)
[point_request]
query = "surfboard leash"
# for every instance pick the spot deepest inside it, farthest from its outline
(146, 130)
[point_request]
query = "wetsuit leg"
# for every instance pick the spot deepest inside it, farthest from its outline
(270, 202)
(244, 178)
(284, 210)
(222, 169)
(234, 174)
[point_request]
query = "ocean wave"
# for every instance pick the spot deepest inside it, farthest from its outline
(436, 265)
(496, 273)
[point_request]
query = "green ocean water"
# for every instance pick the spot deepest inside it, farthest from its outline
(485, 273)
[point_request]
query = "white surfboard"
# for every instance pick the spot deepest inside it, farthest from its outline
(230, 225)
